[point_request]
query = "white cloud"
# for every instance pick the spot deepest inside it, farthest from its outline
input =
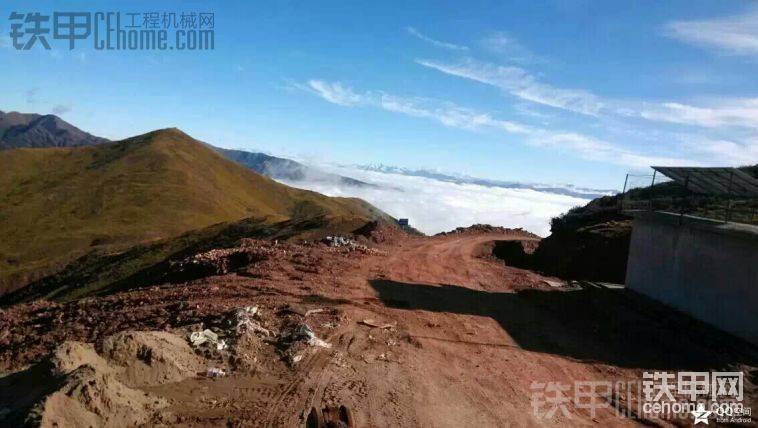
(440, 44)
(734, 35)
(507, 46)
(520, 83)
(335, 93)
(454, 116)
(447, 114)
(434, 206)
(741, 112)
(722, 152)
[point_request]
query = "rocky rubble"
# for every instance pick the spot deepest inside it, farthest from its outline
(32, 331)
(486, 228)
(216, 262)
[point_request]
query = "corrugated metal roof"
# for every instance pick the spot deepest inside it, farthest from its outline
(713, 181)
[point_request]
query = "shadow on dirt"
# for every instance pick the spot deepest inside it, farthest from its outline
(617, 327)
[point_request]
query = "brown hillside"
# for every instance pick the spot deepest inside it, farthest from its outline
(59, 203)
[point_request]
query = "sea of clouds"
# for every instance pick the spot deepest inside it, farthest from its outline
(434, 206)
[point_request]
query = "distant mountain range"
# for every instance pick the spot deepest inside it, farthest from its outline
(19, 130)
(286, 169)
(563, 189)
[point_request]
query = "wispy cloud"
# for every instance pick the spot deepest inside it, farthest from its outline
(334, 92)
(438, 43)
(518, 82)
(722, 151)
(508, 47)
(445, 113)
(734, 35)
(742, 112)
(454, 116)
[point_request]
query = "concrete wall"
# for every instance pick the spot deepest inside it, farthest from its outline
(706, 269)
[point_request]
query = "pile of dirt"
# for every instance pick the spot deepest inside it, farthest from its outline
(76, 386)
(126, 383)
(91, 398)
(217, 262)
(383, 232)
(151, 357)
(487, 228)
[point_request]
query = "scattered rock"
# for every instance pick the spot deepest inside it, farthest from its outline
(375, 324)
(297, 341)
(215, 262)
(245, 320)
(215, 372)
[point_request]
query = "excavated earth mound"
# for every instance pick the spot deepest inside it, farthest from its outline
(77, 386)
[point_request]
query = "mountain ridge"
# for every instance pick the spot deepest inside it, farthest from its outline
(286, 169)
(144, 188)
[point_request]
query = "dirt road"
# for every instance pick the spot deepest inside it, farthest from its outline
(487, 338)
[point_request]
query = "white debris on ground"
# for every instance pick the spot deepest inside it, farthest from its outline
(215, 372)
(338, 241)
(246, 320)
(200, 338)
(303, 332)
(347, 245)
(554, 284)
(297, 340)
(246, 331)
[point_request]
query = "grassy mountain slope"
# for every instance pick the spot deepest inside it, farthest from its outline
(58, 203)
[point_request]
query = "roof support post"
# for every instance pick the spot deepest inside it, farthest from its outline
(681, 209)
(652, 183)
(729, 198)
(621, 199)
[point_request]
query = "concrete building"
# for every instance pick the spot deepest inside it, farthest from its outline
(707, 269)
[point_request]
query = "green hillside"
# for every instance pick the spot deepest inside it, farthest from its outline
(57, 204)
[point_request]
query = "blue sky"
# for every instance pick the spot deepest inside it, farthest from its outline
(559, 92)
